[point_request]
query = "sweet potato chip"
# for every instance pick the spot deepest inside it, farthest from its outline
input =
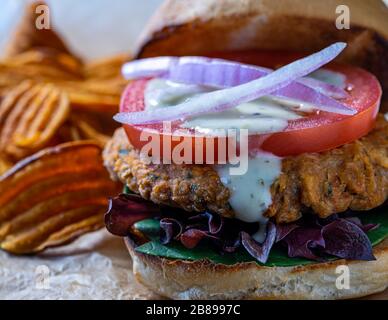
(107, 68)
(86, 100)
(86, 131)
(31, 115)
(49, 62)
(95, 96)
(53, 196)
(4, 165)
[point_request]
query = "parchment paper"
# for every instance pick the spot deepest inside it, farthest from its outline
(96, 266)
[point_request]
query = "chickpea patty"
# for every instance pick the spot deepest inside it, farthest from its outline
(354, 176)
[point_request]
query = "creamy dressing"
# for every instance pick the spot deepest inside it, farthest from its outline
(260, 116)
(328, 76)
(160, 93)
(265, 115)
(386, 116)
(251, 192)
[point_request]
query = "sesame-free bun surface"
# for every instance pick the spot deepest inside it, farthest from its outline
(181, 279)
(186, 27)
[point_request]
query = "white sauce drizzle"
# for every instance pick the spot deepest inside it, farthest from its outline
(160, 93)
(265, 115)
(328, 76)
(250, 193)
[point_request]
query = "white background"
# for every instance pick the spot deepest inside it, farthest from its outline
(92, 28)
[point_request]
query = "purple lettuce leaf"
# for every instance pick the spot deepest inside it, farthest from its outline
(190, 238)
(231, 246)
(284, 229)
(302, 240)
(125, 210)
(260, 251)
(344, 239)
(214, 222)
(171, 229)
(364, 227)
(310, 237)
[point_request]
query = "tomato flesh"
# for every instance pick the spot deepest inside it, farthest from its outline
(315, 133)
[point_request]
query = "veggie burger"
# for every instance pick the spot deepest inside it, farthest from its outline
(254, 151)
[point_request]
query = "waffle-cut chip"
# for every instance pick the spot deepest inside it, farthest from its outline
(39, 65)
(68, 133)
(47, 58)
(113, 86)
(9, 75)
(8, 102)
(107, 68)
(32, 114)
(86, 131)
(4, 165)
(85, 125)
(95, 95)
(53, 197)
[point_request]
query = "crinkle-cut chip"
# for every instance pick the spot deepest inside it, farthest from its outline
(31, 116)
(64, 159)
(86, 125)
(86, 131)
(39, 65)
(75, 230)
(53, 196)
(113, 86)
(96, 96)
(84, 100)
(68, 133)
(47, 58)
(5, 164)
(38, 72)
(38, 238)
(106, 68)
(8, 102)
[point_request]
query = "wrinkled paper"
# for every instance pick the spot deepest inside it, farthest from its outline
(96, 266)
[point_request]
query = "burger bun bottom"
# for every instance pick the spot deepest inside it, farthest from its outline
(183, 279)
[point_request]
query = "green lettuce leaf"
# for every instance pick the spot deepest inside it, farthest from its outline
(278, 257)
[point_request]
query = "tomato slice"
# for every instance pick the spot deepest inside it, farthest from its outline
(316, 133)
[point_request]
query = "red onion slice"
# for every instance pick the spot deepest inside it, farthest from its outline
(223, 74)
(213, 72)
(325, 88)
(225, 99)
(178, 69)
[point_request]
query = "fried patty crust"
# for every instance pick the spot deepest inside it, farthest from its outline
(354, 176)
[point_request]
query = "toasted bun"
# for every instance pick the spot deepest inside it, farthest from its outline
(179, 279)
(185, 27)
